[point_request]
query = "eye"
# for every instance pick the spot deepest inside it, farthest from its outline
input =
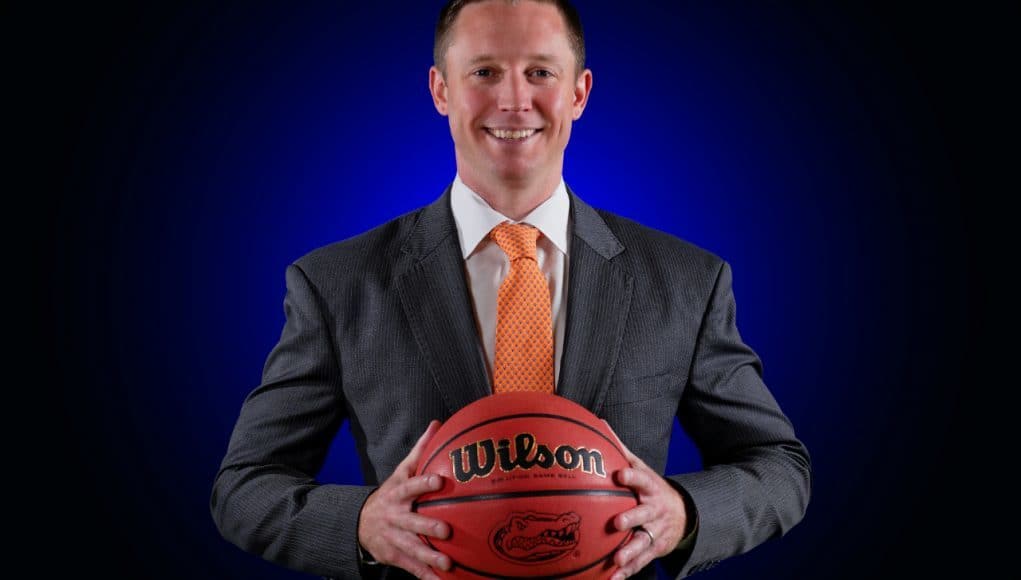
(541, 73)
(483, 73)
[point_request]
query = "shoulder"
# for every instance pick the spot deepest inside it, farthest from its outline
(368, 253)
(648, 249)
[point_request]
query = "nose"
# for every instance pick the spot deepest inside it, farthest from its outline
(514, 94)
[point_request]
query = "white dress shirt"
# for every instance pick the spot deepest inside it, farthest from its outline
(487, 264)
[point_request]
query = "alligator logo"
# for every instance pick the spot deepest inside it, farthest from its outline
(535, 538)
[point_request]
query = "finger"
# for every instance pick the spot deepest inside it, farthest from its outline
(416, 486)
(641, 560)
(419, 524)
(416, 568)
(625, 556)
(640, 479)
(414, 548)
(615, 436)
(411, 461)
(627, 452)
(635, 460)
(634, 517)
(631, 457)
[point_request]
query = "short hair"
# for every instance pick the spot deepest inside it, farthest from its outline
(575, 35)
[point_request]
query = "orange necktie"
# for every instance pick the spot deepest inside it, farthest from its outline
(524, 323)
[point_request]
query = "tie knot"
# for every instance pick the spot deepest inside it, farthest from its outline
(516, 240)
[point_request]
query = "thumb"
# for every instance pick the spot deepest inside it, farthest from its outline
(627, 452)
(410, 462)
(633, 459)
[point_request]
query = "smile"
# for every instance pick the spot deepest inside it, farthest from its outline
(512, 134)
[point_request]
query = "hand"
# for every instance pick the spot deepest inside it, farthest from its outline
(660, 510)
(388, 529)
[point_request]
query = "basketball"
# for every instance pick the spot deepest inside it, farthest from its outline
(528, 489)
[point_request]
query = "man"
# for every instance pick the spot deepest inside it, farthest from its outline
(401, 326)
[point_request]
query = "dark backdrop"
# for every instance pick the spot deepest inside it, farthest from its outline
(191, 151)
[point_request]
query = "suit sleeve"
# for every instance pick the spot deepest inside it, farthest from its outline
(756, 475)
(265, 497)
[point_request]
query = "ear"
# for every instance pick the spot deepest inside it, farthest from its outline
(438, 88)
(582, 89)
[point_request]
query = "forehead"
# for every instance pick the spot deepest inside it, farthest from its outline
(501, 29)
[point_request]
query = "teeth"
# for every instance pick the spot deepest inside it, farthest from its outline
(513, 135)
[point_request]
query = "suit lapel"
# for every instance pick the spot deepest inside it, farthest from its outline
(598, 301)
(438, 307)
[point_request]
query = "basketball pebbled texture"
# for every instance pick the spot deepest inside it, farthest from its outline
(528, 489)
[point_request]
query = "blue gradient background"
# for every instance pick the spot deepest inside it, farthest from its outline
(203, 148)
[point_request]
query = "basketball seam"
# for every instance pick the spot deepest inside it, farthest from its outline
(518, 494)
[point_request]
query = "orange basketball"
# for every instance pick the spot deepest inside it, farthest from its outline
(528, 489)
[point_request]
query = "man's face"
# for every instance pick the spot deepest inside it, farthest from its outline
(510, 92)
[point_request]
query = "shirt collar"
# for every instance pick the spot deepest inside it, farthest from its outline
(475, 218)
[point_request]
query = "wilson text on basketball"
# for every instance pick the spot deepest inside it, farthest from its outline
(480, 458)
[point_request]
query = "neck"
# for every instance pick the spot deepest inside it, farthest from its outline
(513, 199)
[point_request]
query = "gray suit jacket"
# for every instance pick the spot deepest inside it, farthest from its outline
(380, 332)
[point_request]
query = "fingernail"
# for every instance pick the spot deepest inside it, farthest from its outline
(443, 563)
(623, 523)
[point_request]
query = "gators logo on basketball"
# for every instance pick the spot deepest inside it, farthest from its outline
(535, 538)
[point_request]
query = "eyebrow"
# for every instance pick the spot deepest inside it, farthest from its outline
(535, 57)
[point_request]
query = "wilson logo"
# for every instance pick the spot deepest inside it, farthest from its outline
(479, 459)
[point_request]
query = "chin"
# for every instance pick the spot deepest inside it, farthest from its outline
(518, 169)
(515, 175)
